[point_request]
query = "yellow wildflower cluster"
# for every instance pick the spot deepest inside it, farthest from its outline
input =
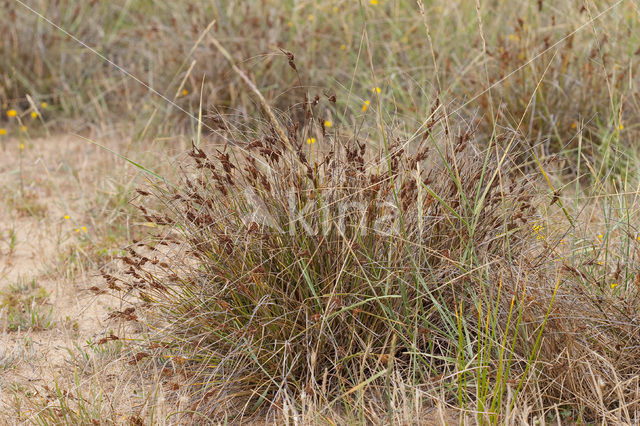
(76, 230)
(536, 230)
(15, 114)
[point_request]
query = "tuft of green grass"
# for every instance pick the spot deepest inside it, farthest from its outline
(71, 407)
(12, 242)
(25, 307)
(25, 205)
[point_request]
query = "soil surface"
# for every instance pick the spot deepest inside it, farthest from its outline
(55, 211)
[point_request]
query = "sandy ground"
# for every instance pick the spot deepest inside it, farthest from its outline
(54, 209)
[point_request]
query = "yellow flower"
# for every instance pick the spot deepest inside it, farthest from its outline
(374, 2)
(343, 47)
(12, 113)
(311, 141)
(614, 285)
(327, 123)
(366, 105)
(44, 105)
(34, 114)
(621, 126)
(3, 132)
(290, 24)
(376, 89)
(84, 228)
(67, 217)
(21, 146)
(77, 229)
(311, 17)
(185, 92)
(574, 125)
(600, 236)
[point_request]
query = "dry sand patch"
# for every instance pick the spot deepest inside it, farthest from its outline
(53, 200)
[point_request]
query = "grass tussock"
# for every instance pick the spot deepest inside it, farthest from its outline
(291, 275)
(24, 306)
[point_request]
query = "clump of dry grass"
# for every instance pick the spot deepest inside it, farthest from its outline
(325, 271)
(302, 278)
(590, 358)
